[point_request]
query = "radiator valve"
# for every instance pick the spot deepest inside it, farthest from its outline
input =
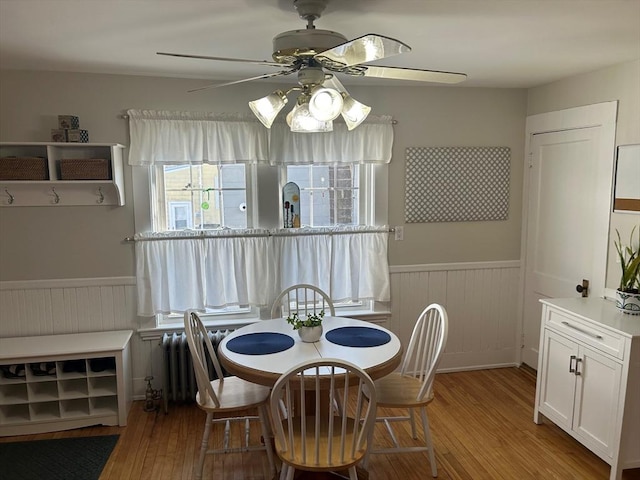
(151, 397)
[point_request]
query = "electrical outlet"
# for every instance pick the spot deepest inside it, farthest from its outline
(399, 233)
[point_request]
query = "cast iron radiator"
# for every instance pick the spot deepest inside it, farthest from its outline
(179, 379)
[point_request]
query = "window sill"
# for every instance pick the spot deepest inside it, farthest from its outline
(156, 333)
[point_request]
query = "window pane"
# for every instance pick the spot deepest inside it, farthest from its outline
(201, 197)
(329, 194)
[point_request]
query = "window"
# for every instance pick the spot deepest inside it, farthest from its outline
(199, 197)
(329, 194)
(207, 196)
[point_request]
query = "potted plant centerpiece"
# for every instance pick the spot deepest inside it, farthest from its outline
(628, 293)
(310, 328)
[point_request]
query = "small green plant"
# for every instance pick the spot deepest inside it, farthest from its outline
(629, 256)
(312, 320)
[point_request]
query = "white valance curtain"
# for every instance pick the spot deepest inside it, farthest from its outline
(176, 272)
(169, 138)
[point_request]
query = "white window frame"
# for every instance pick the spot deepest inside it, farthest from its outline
(264, 198)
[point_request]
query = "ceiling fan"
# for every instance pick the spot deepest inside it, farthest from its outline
(316, 55)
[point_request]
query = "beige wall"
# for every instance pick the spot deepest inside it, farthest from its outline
(619, 82)
(78, 242)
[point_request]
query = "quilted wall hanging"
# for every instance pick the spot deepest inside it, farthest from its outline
(457, 184)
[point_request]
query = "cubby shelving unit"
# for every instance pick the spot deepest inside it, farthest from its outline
(96, 390)
(57, 192)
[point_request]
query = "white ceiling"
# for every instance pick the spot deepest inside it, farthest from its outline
(498, 43)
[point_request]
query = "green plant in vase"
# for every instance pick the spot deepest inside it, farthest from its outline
(628, 292)
(312, 320)
(310, 328)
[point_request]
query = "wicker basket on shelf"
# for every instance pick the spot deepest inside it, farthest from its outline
(23, 168)
(84, 169)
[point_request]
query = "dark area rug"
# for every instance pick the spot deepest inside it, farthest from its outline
(78, 458)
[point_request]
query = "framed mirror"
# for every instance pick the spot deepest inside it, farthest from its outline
(626, 196)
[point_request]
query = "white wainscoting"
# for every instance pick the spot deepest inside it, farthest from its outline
(481, 300)
(50, 307)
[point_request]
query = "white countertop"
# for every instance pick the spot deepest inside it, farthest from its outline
(599, 310)
(18, 348)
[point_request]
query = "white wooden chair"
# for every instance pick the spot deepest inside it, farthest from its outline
(302, 298)
(224, 397)
(320, 438)
(412, 387)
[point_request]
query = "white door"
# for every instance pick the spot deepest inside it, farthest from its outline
(566, 222)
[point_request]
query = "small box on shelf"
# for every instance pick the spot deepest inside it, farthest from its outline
(68, 122)
(78, 136)
(58, 135)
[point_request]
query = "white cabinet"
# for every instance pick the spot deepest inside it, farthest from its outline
(65, 381)
(57, 192)
(589, 377)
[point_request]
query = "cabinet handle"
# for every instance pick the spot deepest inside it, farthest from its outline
(572, 369)
(578, 360)
(599, 337)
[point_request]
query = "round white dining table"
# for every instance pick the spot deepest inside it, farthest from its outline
(266, 368)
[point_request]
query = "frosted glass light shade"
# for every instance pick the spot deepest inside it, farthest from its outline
(325, 103)
(267, 108)
(301, 120)
(354, 112)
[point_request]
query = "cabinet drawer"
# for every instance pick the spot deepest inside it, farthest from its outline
(586, 332)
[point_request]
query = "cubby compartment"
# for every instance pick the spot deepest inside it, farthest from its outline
(43, 411)
(73, 388)
(103, 405)
(13, 393)
(102, 366)
(43, 391)
(101, 386)
(10, 414)
(68, 369)
(78, 407)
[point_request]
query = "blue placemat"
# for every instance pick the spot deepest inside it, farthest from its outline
(358, 337)
(260, 343)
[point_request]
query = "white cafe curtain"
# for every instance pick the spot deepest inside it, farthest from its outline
(170, 138)
(176, 271)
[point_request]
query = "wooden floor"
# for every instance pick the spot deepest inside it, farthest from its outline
(481, 422)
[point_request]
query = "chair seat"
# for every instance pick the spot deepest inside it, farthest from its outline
(310, 464)
(400, 391)
(235, 394)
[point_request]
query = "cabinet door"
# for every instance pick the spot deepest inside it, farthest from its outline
(558, 383)
(597, 394)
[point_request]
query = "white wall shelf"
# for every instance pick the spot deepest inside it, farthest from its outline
(87, 395)
(57, 192)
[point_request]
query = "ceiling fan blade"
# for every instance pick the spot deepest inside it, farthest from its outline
(224, 59)
(414, 74)
(266, 75)
(367, 48)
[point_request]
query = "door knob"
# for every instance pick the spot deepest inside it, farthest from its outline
(584, 288)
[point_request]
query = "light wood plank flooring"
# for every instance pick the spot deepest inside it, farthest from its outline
(481, 422)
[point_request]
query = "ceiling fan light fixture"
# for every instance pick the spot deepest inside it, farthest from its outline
(300, 120)
(354, 112)
(267, 108)
(325, 103)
